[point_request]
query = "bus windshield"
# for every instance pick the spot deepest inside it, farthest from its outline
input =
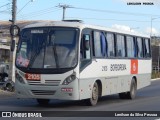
(47, 48)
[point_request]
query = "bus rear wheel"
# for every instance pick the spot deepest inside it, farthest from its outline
(43, 101)
(133, 89)
(94, 97)
(130, 94)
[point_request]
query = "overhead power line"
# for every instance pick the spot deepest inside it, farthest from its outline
(8, 12)
(64, 6)
(116, 12)
(39, 14)
(5, 5)
(24, 6)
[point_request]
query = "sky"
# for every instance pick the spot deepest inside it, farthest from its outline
(116, 14)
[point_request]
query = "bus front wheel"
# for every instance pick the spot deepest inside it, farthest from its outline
(94, 96)
(43, 101)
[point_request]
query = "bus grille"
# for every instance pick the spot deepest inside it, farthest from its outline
(47, 82)
(43, 92)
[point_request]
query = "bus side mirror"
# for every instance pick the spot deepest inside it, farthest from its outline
(14, 30)
(13, 45)
(86, 39)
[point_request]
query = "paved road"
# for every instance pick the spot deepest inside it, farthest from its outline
(148, 99)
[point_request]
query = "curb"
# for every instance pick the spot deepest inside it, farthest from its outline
(155, 79)
(5, 92)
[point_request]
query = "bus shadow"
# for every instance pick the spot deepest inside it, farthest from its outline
(82, 104)
(20, 104)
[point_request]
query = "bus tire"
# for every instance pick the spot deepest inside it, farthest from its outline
(133, 89)
(43, 101)
(94, 97)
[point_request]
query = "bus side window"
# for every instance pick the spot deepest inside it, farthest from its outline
(97, 44)
(120, 45)
(139, 48)
(85, 52)
(110, 45)
(100, 44)
(130, 47)
(147, 53)
(103, 45)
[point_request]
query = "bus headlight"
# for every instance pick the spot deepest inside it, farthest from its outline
(69, 79)
(19, 78)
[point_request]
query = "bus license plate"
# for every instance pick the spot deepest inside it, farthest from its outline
(33, 76)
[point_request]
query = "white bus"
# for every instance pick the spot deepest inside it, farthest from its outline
(69, 60)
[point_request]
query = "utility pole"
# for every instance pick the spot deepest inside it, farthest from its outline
(14, 10)
(151, 24)
(13, 38)
(64, 9)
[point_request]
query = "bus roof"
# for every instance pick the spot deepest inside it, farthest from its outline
(81, 26)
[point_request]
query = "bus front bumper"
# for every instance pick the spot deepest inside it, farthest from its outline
(60, 92)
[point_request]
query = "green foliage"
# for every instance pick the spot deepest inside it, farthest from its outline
(155, 74)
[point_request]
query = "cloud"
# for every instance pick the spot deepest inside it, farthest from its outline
(154, 31)
(123, 28)
(146, 31)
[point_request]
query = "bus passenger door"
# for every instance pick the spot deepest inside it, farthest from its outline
(85, 62)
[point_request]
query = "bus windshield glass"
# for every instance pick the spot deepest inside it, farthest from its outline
(47, 48)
